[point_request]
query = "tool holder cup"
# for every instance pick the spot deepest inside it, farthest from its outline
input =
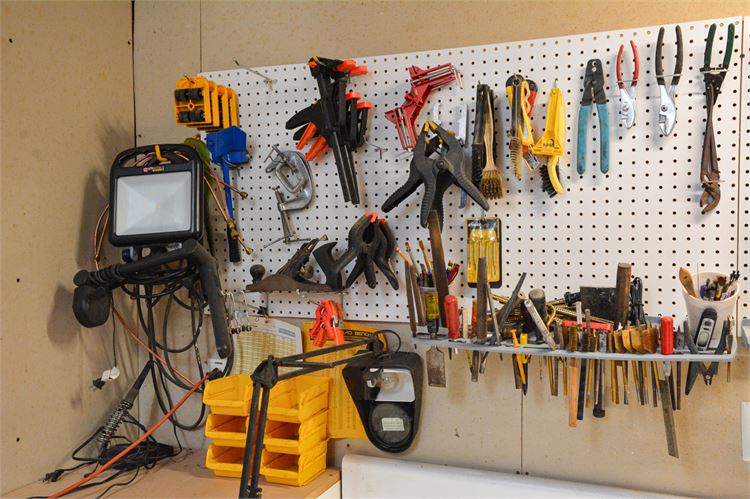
(724, 308)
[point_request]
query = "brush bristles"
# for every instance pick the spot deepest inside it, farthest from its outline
(492, 184)
(515, 156)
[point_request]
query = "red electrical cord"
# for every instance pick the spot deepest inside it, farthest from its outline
(130, 447)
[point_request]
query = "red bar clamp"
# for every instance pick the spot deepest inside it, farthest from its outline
(423, 81)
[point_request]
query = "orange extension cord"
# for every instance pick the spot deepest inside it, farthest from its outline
(130, 447)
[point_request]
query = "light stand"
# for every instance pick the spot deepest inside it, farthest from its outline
(265, 377)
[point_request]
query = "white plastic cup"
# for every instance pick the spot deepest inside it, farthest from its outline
(723, 308)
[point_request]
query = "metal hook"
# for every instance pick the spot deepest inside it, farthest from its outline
(232, 305)
(380, 150)
(305, 297)
(267, 80)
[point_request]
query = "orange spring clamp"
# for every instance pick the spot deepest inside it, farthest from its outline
(329, 317)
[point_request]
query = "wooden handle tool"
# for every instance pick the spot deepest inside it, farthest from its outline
(622, 293)
(410, 299)
(686, 279)
(439, 273)
(482, 286)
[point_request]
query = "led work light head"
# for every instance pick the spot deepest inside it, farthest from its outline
(156, 195)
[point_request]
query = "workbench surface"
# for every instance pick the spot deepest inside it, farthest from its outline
(182, 476)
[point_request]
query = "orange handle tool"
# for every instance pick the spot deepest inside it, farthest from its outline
(453, 321)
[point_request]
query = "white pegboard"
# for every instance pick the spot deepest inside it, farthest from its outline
(644, 211)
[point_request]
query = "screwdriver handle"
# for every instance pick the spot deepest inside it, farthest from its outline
(452, 319)
(667, 335)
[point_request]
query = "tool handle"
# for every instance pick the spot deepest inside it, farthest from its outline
(666, 328)
(233, 246)
(438, 261)
(603, 112)
(583, 133)
(709, 46)
(659, 65)
(450, 303)
(730, 46)
(482, 300)
(622, 293)
(678, 62)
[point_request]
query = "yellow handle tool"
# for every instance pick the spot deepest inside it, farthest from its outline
(552, 142)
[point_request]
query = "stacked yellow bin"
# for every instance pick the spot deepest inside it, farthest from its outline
(228, 399)
(295, 440)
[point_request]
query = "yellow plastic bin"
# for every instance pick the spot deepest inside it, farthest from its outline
(289, 469)
(296, 438)
(298, 399)
(227, 431)
(225, 461)
(229, 395)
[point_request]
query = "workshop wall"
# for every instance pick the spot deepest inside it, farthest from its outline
(67, 109)
(484, 425)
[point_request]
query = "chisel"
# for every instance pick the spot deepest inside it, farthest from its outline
(573, 374)
(669, 426)
(584, 368)
(599, 407)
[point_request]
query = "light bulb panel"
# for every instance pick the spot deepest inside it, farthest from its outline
(156, 202)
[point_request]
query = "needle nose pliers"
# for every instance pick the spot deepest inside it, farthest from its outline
(436, 174)
(593, 92)
(712, 78)
(627, 96)
(667, 108)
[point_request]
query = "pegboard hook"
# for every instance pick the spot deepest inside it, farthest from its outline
(267, 80)
(380, 150)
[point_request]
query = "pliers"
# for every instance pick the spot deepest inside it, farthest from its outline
(712, 78)
(437, 174)
(627, 96)
(593, 92)
(696, 368)
(667, 109)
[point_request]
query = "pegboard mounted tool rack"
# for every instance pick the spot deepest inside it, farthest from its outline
(656, 177)
(542, 350)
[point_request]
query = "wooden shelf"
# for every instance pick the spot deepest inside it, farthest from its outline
(183, 476)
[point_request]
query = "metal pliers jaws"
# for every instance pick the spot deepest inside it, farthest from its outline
(627, 95)
(593, 93)
(371, 243)
(667, 108)
(696, 368)
(436, 174)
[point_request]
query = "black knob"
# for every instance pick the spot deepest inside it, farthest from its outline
(257, 272)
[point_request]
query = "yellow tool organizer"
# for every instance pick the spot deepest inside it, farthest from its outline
(202, 104)
(296, 433)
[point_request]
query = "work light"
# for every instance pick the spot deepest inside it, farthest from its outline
(156, 196)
